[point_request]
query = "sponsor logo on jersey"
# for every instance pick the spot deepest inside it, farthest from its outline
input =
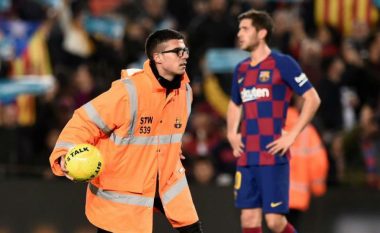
(254, 93)
(240, 80)
(264, 76)
(301, 79)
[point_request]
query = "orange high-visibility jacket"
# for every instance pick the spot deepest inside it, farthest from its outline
(308, 165)
(138, 130)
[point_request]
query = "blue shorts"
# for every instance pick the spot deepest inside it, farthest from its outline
(265, 187)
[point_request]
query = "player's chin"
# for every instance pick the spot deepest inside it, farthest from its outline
(245, 48)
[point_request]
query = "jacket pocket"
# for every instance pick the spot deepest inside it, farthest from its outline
(134, 185)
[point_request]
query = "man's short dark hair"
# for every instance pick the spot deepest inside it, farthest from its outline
(158, 37)
(260, 20)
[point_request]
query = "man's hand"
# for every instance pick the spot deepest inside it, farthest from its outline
(282, 144)
(181, 154)
(236, 144)
(63, 167)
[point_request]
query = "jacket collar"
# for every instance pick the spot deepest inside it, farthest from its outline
(155, 78)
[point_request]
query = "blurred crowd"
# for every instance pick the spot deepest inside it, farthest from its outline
(341, 57)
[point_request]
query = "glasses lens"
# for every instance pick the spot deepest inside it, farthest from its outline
(181, 51)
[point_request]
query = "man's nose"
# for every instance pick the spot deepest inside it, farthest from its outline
(185, 55)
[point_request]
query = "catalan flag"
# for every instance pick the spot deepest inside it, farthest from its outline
(342, 13)
(31, 58)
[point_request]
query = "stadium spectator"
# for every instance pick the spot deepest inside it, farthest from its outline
(361, 147)
(308, 168)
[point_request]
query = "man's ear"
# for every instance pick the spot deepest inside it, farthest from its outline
(263, 33)
(157, 58)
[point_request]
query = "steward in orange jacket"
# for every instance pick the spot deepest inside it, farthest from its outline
(308, 165)
(138, 125)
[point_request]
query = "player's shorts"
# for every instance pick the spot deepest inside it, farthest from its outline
(265, 187)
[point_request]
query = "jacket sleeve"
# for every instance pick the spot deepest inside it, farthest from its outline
(319, 164)
(94, 120)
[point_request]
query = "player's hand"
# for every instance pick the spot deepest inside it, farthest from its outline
(63, 168)
(281, 145)
(236, 144)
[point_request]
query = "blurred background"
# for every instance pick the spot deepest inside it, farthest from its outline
(56, 55)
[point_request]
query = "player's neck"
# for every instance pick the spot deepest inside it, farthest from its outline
(260, 53)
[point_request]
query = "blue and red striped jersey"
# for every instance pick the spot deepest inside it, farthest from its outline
(264, 91)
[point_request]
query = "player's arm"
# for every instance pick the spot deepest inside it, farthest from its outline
(233, 120)
(297, 80)
(233, 117)
(309, 108)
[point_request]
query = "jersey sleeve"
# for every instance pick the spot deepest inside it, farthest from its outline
(293, 75)
(235, 90)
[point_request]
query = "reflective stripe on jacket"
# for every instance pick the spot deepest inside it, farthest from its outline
(308, 165)
(138, 129)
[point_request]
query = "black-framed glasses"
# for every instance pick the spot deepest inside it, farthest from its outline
(179, 51)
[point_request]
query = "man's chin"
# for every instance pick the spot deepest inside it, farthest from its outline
(242, 46)
(181, 72)
(245, 48)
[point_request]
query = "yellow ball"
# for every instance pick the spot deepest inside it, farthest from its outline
(84, 162)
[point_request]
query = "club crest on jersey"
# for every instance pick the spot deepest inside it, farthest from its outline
(264, 75)
(177, 123)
